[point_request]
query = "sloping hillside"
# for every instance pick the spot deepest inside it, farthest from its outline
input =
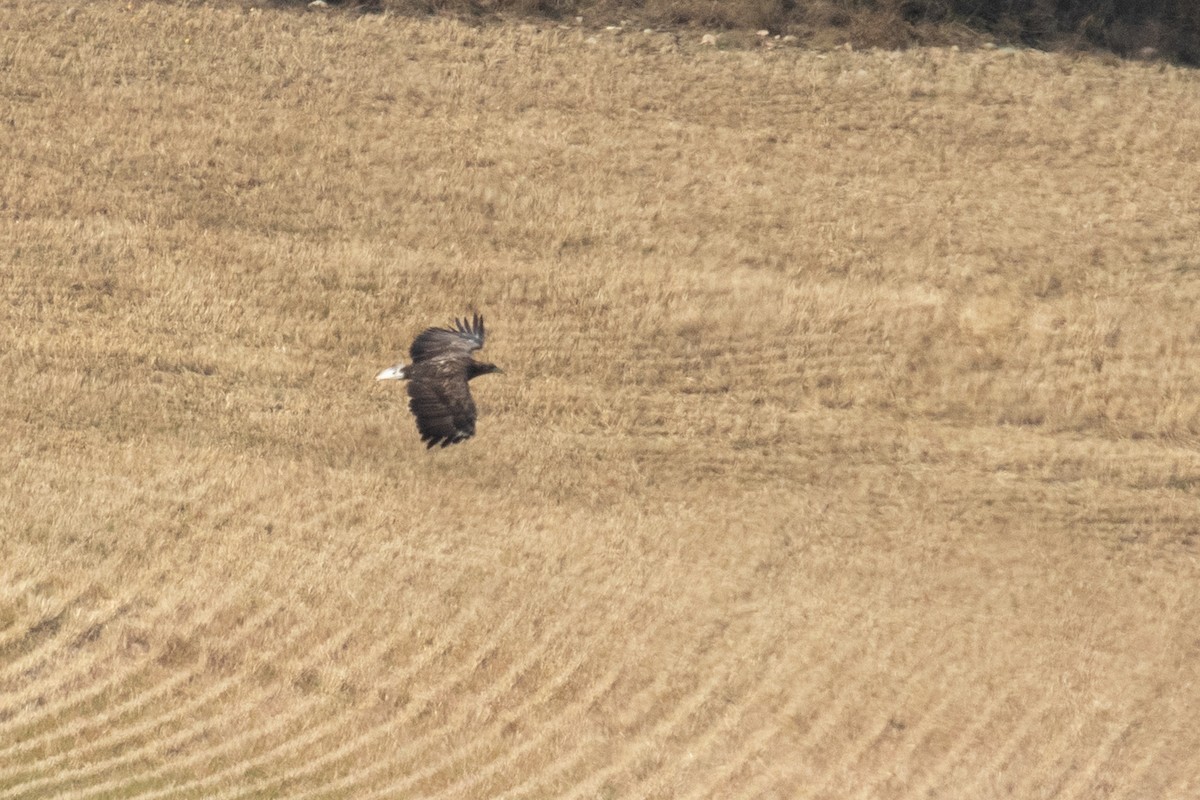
(847, 445)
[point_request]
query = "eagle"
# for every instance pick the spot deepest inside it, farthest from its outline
(438, 394)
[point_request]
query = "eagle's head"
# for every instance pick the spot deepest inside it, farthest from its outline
(478, 368)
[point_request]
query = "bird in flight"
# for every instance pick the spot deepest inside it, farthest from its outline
(438, 394)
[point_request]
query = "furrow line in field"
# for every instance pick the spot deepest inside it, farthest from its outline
(1080, 783)
(130, 733)
(14, 666)
(198, 723)
(285, 742)
(10, 588)
(733, 762)
(482, 772)
(902, 757)
(854, 752)
(122, 783)
(359, 744)
(836, 687)
(1055, 758)
(1008, 749)
(140, 697)
(349, 750)
(125, 675)
(647, 740)
(767, 679)
(512, 755)
(136, 698)
(1186, 785)
(156, 779)
(45, 633)
(28, 700)
(645, 696)
(14, 633)
(1132, 777)
(504, 683)
(295, 714)
(971, 737)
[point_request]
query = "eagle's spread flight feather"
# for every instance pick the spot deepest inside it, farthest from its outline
(438, 391)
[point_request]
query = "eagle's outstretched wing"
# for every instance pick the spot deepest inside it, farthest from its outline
(441, 401)
(441, 368)
(456, 343)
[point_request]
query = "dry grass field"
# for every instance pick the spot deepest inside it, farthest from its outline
(849, 444)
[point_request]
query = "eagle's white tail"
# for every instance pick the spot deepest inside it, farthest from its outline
(395, 373)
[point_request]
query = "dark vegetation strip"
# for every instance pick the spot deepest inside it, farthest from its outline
(1158, 29)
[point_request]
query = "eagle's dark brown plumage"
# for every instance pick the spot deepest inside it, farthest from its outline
(438, 394)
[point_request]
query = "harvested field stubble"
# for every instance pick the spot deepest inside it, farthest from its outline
(847, 445)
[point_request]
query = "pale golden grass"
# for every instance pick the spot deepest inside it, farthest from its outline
(847, 445)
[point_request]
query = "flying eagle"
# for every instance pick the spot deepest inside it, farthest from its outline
(438, 394)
